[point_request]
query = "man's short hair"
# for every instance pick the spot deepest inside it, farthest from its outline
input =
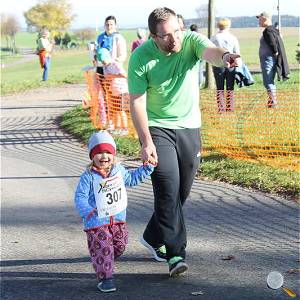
(159, 15)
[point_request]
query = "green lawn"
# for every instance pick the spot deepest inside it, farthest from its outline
(66, 67)
(26, 40)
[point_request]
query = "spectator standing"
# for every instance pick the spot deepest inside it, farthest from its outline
(195, 28)
(164, 102)
(115, 44)
(141, 34)
(225, 76)
(101, 201)
(44, 50)
(272, 57)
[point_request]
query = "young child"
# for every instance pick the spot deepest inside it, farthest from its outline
(101, 201)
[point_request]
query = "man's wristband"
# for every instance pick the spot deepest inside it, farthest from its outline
(227, 52)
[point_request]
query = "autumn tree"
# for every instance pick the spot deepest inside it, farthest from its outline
(55, 15)
(9, 28)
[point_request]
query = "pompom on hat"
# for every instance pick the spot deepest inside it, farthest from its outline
(101, 141)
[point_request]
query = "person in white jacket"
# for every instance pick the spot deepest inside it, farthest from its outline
(111, 53)
(225, 76)
(114, 42)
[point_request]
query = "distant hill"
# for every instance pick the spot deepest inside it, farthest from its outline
(245, 22)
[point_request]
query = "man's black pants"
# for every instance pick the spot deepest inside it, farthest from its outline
(178, 153)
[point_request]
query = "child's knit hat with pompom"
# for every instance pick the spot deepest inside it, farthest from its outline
(101, 141)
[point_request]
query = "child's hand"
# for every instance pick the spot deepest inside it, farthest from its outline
(150, 161)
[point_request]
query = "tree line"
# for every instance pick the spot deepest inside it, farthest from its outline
(245, 21)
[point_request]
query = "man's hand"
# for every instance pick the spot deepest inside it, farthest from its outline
(231, 60)
(148, 154)
(219, 57)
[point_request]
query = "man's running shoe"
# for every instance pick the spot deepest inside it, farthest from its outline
(159, 253)
(177, 266)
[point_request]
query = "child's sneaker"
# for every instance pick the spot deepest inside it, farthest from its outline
(177, 266)
(159, 253)
(106, 286)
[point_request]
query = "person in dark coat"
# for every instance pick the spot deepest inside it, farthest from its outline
(272, 57)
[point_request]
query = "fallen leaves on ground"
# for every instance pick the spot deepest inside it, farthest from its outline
(229, 257)
(197, 293)
(290, 292)
(293, 271)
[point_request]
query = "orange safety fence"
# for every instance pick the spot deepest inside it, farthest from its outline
(253, 130)
(250, 131)
(108, 99)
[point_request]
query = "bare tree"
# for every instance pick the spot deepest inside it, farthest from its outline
(210, 82)
(202, 12)
(9, 28)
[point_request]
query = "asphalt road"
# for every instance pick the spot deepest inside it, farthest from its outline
(43, 247)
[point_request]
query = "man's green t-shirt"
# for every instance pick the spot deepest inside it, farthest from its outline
(170, 81)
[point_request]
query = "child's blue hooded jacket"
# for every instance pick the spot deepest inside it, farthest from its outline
(85, 200)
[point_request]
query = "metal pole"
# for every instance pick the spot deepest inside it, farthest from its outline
(210, 81)
(279, 21)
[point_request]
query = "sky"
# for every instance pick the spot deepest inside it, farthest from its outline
(134, 13)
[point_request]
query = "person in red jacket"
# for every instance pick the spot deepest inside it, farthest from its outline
(44, 50)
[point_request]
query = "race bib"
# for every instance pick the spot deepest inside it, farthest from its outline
(110, 195)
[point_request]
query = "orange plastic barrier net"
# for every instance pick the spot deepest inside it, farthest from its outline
(108, 99)
(242, 127)
(250, 129)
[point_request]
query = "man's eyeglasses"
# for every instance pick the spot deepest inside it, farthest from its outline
(167, 37)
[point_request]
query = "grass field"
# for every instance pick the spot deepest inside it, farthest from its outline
(66, 65)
